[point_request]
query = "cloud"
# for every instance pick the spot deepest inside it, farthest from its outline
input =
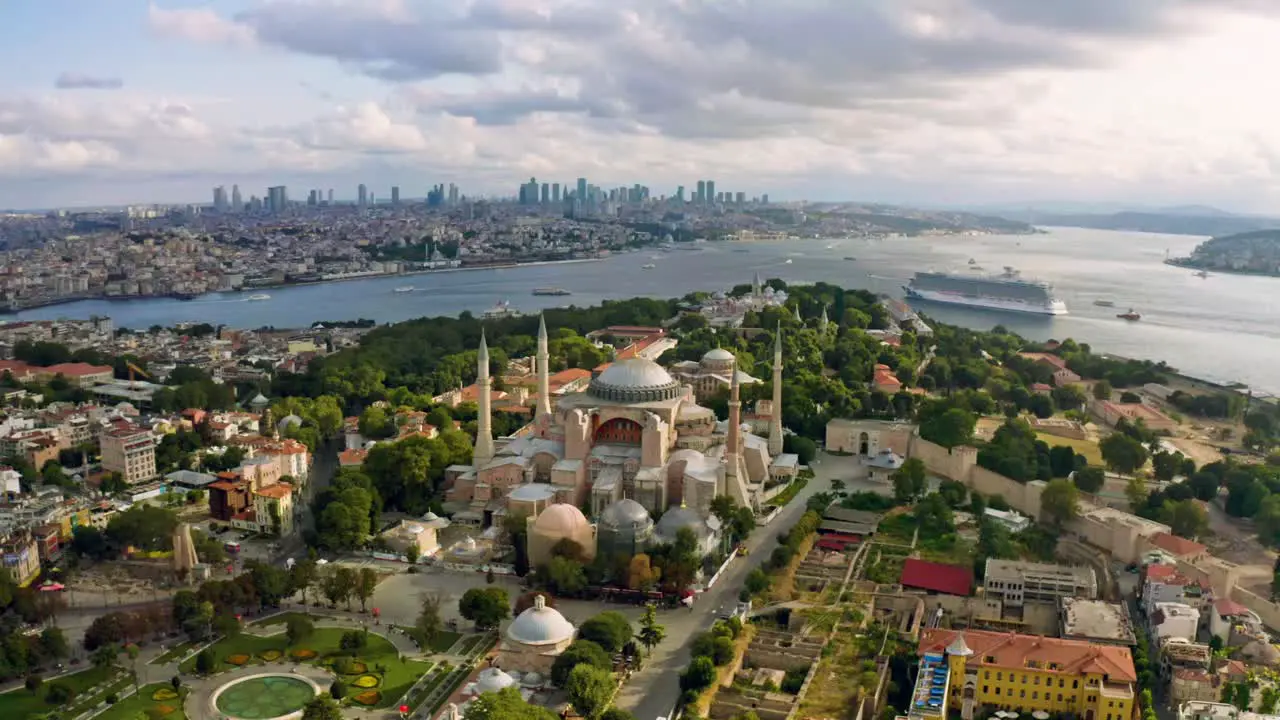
(77, 81)
(198, 25)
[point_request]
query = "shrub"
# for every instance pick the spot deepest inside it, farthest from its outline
(338, 689)
(58, 693)
(366, 681)
(164, 694)
(302, 654)
(368, 698)
(237, 659)
(111, 698)
(270, 655)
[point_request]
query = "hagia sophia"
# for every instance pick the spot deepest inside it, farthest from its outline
(635, 445)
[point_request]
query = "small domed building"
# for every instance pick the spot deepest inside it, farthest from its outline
(710, 374)
(625, 528)
(560, 521)
(535, 639)
(707, 532)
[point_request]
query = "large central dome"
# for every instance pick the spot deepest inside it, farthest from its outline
(635, 380)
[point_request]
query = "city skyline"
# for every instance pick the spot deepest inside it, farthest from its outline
(911, 102)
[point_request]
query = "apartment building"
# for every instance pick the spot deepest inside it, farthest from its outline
(21, 557)
(274, 504)
(130, 451)
(1017, 582)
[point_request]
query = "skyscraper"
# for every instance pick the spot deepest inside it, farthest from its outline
(453, 194)
(701, 196)
(742, 198)
(237, 203)
(395, 194)
(220, 199)
(711, 191)
(362, 194)
(555, 193)
(330, 196)
(680, 194)
(546, 193)
(581, 195)
(277, 199)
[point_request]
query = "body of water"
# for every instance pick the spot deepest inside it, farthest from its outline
(1223, 328)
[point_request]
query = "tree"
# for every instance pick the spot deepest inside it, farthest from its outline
(909, 481)
(337, 689)
(1059, 504)
(58, 693)
(1187, 518)
(205, 662)
(564, 576)
(699, 675)
(298, 629)
(1122, 453)
(1090, 479)
(411, 553)
(104, 656)
(589, 690)
(506, 704)
(650, 633)
(1062, 460)
(1102, 390)
(1166, 465)
(1136, 491)
(1205, 485)
(106, 629)
(641, 574)
(955, 493)
(614, 713)
(486, 607)
(610, 630)
(353, 641)
(302, 576)
(322, 708)
(756, 582)
(429, 622)
(53, 643)
(934, 517)
(269, 582)
(33, 682)
(366, 583)
(579, 653)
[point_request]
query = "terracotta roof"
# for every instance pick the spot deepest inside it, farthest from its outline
(354, 456)
(1227, 607)
(276, 491)
(1014, 651)
(564, 377)
(1160, 572)
(224, 485)
(949, 579)
(79, 369)
(1046, 358)
(1180, 547)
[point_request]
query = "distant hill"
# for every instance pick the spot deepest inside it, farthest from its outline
(1256, 253)
(1176, 221)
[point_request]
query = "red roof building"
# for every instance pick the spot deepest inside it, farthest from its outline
(1179, 547)
(937, 577)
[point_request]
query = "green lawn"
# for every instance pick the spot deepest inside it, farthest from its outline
(21, 704)
(440, 643)
(173, 653)
(1086, 448)
(140, 706)
(325, 642)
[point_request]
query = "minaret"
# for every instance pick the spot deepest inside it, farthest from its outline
(484, 434)
(544, 371)
(757, 288)
(798, 318)
(733, 438)
(822, 324)
(775, 416)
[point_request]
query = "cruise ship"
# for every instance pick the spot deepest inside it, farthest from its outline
(1007, 291)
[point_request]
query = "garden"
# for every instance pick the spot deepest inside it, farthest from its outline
(23, 702)
(152, 702)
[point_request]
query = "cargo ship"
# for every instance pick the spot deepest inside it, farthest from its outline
(1007, 291)
(551, 291)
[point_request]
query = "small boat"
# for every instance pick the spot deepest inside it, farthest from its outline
(972, 261)
(831, 247)
(551, 291)
(850, 258)
(788, 262)
(1104, 303)
(502, 310)
(405, 289)
(260, 296)
(648, 266)
(1202, 274)
(741, 250)
(1130, 316)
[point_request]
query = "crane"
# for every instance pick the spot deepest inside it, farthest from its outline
(135, 369)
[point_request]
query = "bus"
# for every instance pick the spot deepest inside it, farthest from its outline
(232, 547)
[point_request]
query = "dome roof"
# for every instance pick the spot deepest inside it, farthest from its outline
(635, 380)
(625, 513)
(682, 517)
(718, 355)
(493, 679)
(540, 625)
(532, 492)
(560, 520)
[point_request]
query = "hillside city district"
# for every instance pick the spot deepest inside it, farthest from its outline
(612, 462)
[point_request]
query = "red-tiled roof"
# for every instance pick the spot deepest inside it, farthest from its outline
(1226, 607)
(78, 369)
(949, 579)
(1011, 650)
(1180, 547)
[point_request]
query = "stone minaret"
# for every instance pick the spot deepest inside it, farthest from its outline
(733, 439)
(775, 417)
(484, 433)
(822, 324)
(798, 318)
(544, 371)
(735, 477)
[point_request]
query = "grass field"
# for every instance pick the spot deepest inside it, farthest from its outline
(399, 676)
(1087, 448)
(142, 707)
(440, 643)
(21, 704)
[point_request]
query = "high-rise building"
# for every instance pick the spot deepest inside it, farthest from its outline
(330, 196)
(764, 199)
(395, 194)
(277, 199)
(711, 191)
(555, 193)
(546, 193)
(700, 196)
(220, 199)
(237, 203)
(582, 189)
(742, 198)
(313, 198)
(362, 195)
(453, 194)
(680, 194)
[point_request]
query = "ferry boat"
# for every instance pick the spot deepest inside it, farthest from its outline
(1131, 316)
(648, 266)
(502, 310)
(1007, 291)
(551, 291)
(1104, 303)
(405, 289)
(260, 296)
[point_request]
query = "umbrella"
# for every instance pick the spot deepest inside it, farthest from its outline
(1040, 715)
(52, 587)
(1011, 715)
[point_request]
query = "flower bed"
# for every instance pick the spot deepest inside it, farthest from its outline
(366, 681)
(302, 654)
(352, 667)
(164, 694)
(270, 655)
(162, 711)
(368, 698)
(238, 659)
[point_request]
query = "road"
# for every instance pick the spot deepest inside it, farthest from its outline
(652, 692)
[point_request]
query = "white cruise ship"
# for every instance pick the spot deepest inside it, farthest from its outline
(1002, 292)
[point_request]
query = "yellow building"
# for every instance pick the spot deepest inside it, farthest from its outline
(966, 671)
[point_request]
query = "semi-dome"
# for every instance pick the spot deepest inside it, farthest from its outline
(540, 625)
(625, 513)
(493, 679)
(562, 520)
(635, 380)
(718, 355)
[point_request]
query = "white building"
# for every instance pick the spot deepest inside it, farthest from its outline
(1174, 620)
(1227, 614)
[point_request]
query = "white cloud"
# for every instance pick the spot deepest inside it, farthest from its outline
(198, 25)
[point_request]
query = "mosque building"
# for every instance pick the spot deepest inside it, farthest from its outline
(634, 442)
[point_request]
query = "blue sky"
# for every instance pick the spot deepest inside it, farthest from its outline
(910, 101)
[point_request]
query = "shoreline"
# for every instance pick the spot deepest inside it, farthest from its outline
(276, 286)
(1181, 263)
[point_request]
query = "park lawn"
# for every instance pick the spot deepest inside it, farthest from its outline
(139, 706)
(173, 653)
(1087, 448)
(440, 643)
(285, 617)
(400, 675)
(20, 703)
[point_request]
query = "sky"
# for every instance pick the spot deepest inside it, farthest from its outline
(926, 102)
